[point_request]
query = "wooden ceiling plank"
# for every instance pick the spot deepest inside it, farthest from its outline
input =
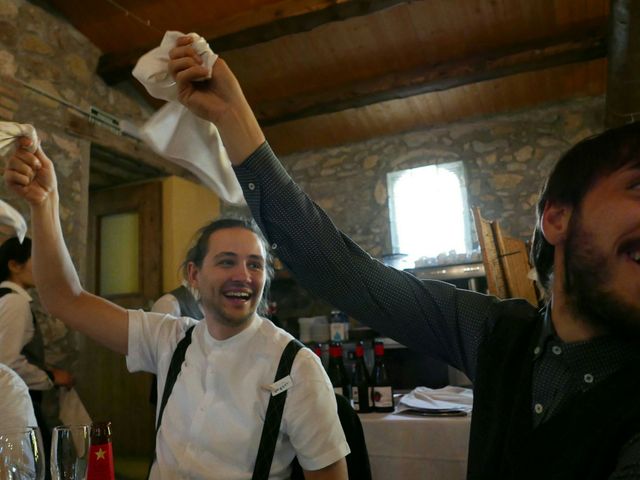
(438, 107)
(577, 46)
(117, 66)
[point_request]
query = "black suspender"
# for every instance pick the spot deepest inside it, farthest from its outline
(273, 417)
(174, 370)
(177, 360)
(275, 408)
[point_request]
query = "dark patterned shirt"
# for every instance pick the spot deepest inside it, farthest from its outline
(428, 316)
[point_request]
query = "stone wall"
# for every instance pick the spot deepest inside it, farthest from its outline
(47, 53)
(506, 159)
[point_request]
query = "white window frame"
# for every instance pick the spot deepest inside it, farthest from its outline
(393, 182)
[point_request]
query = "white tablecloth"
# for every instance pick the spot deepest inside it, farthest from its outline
(416, 448)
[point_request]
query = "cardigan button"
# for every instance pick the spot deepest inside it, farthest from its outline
(252, 186)
(588, 378)
(556, 349)
(538, 408)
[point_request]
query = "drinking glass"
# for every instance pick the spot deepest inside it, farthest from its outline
(69, 452)
(21, 454)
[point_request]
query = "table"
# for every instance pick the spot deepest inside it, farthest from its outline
(416, 448)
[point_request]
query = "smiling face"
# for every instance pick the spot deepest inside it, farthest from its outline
(231, 277)
(602, 254)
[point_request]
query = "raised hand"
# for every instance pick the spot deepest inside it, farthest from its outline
(209, 99)
(30, 175)
(219, 99)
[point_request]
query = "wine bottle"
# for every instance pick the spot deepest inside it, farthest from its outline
(100, 453)
(336, 371)
(361, 383)
(338, 326)
(382, 390)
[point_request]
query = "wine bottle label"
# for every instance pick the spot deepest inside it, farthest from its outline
(100, 462)
(383, 397)
(338, 332)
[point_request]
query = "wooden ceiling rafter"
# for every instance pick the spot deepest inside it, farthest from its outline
(116, 67)
(580, 45)
(329, 72)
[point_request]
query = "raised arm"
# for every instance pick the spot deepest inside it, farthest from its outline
(436, 318)
(219, 100)
(33, 178)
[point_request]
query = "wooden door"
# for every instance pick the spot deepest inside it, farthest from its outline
(110, 391)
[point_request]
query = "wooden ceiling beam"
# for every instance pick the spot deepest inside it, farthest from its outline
(623, 75)
(116, 67)
(581, 45)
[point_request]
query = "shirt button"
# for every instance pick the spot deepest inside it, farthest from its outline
(252, 186)
(556, 349)
(536, 350)
(538, 408)
(588, 378)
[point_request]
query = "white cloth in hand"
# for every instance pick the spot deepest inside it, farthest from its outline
(176, 133)
(151, 69)
(10, 132)
(11, 222)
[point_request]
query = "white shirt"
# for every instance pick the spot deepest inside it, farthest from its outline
(16, 330)
(169, 304)
(213, 420)
(16, 409)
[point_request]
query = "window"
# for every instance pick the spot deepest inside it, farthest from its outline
(428, 210)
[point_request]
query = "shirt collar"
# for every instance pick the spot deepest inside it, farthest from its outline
(239, 339)
(16, 288)
(602, 355)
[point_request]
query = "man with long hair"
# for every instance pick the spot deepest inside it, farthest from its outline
(557, 392)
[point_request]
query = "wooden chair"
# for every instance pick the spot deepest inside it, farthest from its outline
(506, 261)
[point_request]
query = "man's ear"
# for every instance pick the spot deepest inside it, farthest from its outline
(555, 222)
(192, 274)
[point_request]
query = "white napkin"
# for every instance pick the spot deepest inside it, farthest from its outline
(177, 134)
(440, 400)
(11, 222)
(10, 132)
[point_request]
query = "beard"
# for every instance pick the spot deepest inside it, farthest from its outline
(588, 279)
(225, 317)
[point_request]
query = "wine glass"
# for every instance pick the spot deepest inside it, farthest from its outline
(21, 454)
(69, 452)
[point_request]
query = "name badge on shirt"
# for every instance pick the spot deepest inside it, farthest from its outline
(280, 386)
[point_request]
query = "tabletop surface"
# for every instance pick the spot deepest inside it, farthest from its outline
(416, 447)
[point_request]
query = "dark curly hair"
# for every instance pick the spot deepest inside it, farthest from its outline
(12, 249)
(575, 173)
